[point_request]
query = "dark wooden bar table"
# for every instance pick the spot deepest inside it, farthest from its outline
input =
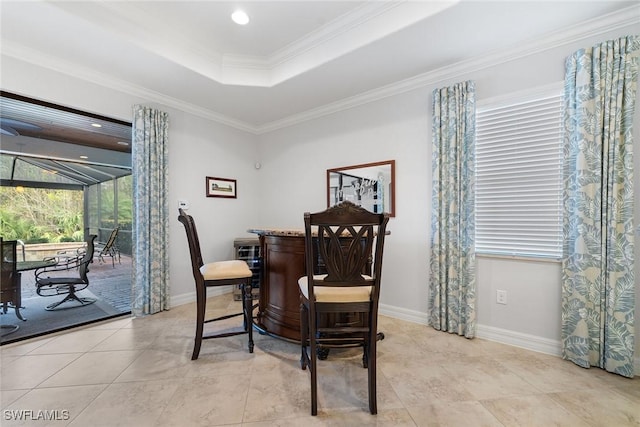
(283, 263)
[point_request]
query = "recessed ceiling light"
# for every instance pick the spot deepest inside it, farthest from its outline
(240, 17)
(96, 125)
(84, 157)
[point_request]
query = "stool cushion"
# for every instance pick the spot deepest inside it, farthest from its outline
(225, 270)
(335, 293)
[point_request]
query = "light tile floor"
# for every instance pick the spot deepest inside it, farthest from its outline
(138, 372)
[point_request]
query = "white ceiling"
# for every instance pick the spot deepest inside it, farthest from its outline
(294, 60)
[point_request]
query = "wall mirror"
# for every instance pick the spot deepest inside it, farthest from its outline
(370, 185)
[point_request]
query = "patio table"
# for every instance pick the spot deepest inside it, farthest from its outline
(20, 267)
(34, 265)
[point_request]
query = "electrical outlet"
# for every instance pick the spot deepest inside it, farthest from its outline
(184, 204)
(501, 297)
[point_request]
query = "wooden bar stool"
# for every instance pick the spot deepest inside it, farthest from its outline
(221, 273)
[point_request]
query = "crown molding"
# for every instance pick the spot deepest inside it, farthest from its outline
(620, 19)
(26, 54)
(331, 30)
(356, 28)
(364, 25)
(126, 20)
(352, 30)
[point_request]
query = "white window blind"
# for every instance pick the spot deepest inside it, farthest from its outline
(519, 178)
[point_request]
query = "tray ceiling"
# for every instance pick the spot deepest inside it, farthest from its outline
(294, 60)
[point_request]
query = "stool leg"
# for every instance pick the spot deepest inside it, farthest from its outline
(371, 374)
(201, 302)
(247, 293)
(304, 335)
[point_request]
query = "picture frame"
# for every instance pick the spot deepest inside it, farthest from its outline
(370, 185)
(221, 187)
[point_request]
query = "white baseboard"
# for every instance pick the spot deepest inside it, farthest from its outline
(403, 314)
(531, 342)
(519, 339)
(503, 336)
(188, 297)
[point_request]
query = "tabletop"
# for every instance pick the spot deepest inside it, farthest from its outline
(32, 265)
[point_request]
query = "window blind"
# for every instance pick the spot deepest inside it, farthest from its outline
(519, 178)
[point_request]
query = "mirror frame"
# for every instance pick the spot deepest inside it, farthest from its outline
(345, 169)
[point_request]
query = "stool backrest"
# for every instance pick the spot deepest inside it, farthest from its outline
(194, 243)
(343, 239)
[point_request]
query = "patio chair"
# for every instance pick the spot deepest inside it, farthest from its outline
(109, 248)
(9, 283)
(56, 280)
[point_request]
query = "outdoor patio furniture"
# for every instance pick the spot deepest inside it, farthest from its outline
(10, 282)
(56, 280)
(109, 248)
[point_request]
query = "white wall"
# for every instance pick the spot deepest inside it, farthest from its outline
(197, 148)
(399, 128)
(292, 181)
(200, 148)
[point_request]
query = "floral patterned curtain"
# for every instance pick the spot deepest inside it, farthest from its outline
(598, 295)
(452, 284)
(150, 293)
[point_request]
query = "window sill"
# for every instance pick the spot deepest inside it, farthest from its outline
(519, 258)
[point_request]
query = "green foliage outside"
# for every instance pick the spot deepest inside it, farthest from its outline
(36, 215)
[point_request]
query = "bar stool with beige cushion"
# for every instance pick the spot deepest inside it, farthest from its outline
(341, 249)
(220, 273)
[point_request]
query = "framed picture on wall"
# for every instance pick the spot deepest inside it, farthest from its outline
(221, 187)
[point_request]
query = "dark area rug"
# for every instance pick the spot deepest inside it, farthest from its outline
(40, 321)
